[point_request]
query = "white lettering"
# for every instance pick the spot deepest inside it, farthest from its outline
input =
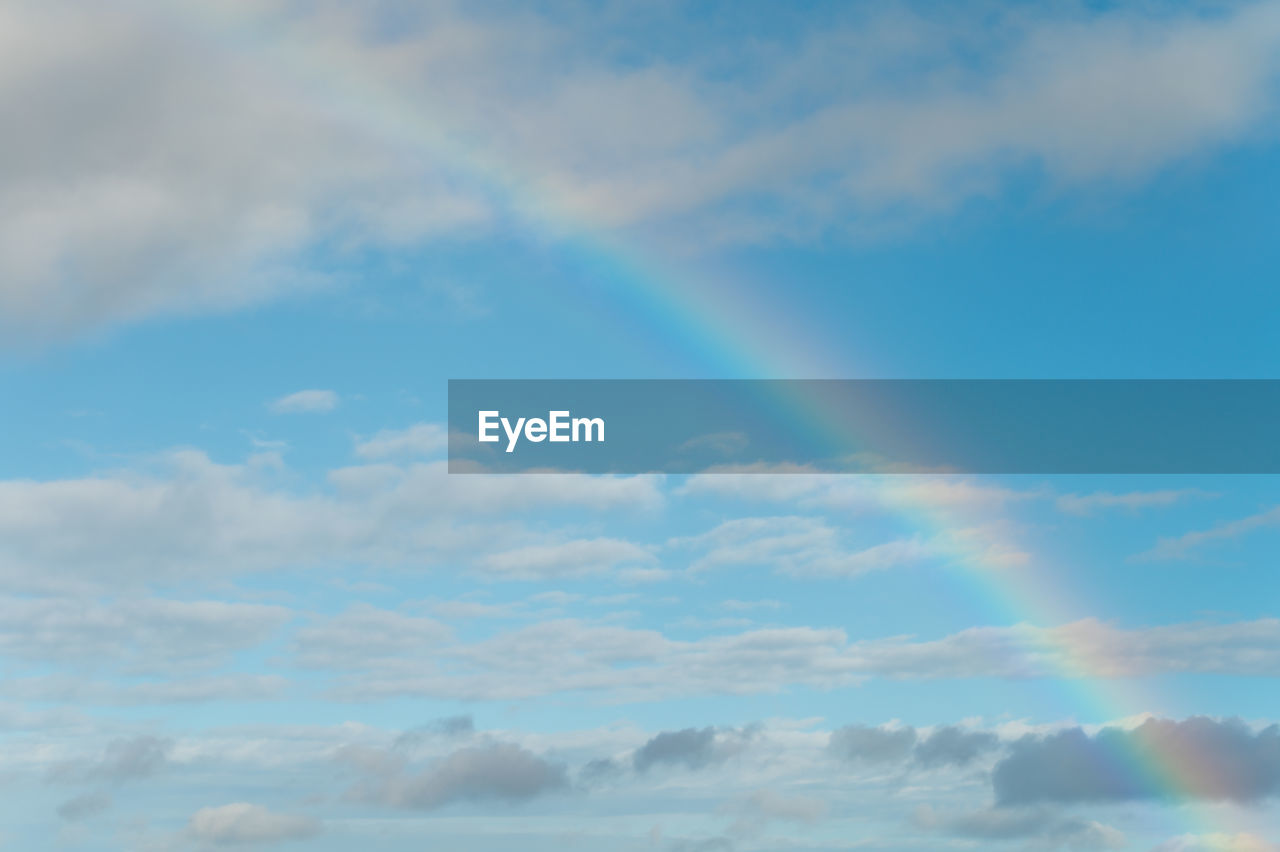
(588, 423)
(559, 427)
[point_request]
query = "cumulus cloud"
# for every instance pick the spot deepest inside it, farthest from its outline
(494, 771)
(1197, 758)
(306, 402)
(244, 823)
(692, 748)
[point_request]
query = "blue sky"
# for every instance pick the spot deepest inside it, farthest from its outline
(247, 244)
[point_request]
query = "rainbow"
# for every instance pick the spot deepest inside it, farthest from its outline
(733, 337)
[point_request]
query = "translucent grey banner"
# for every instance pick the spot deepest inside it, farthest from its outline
(866, 426)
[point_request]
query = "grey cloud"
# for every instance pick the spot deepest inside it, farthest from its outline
(1051, 829)
(137, 757)
(693, 748)
(1232, 763)
(950, 745)
(600, 770)
(496, 771)
(454, 726)
(125, 759)
(947, 745)
(84, 806)
(865, 744)
(447, 727)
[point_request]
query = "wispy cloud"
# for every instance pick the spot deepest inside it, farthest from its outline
(306, 402)
(1185, 546)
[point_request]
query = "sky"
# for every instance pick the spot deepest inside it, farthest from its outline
(246, 245)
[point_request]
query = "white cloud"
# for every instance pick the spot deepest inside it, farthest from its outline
(577, 558)
(245, 823)
(1087, 504)
(187, 517)
(630, 664)
(213, 169)
(421, 439)
(132, 635)
(306, 402)
(1217, 842)
(798, 546)
(1184, 546)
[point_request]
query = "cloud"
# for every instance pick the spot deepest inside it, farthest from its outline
(199, 184)
(797, 546)
(169, 688)
(496, 771)
(125, 759)
(1184, 546)
(132, 635)
(245, 823)
(757, 809)
(865, 744)
(692, 748)
(1087, 504)
(421, 439)
(362, 635)
(619, 663)
(1151, 761)
(562, 560)
(946, 745)
(855, 492)
(306, 402)
(144, 207)
(182, 516)
(447, 727)
(949, 745)
(1053, 830)
(1219, 842)
(84, 806)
